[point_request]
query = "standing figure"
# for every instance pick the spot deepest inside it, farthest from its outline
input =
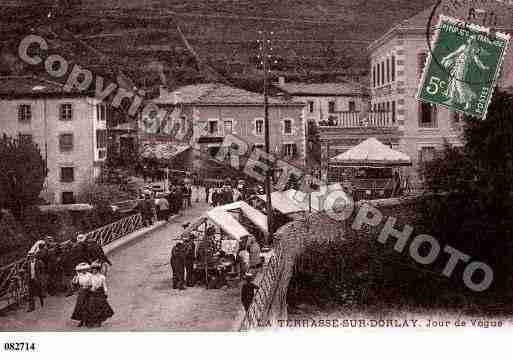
(34, 269)
(207, 191)
(459, 64)
(162, 206)
(190, 253)
(247, 292)
(95, 253)
(82, 281)
(53, 266)
(178, 265)
(99, 309)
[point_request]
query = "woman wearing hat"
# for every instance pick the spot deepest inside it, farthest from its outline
(99, 308)
(82, 280)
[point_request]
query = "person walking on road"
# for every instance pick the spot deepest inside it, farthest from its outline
(82, 281)
(99, 309)
(162, 206)
(190, 251)
(178, 265)
(34, 269)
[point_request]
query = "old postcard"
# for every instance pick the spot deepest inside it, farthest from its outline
(253, 167)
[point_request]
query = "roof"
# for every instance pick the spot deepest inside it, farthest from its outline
(164, 151)
(217, 94)
(281, 203)
(322, 89)
(32, 86)
(254, 215)
(371, 152)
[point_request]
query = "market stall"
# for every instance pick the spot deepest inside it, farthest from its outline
(370, 170)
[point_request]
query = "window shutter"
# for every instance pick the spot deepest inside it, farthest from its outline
(294, 150)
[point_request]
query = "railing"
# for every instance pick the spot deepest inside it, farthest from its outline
(13, 281)
(355, 119)
(262, 301)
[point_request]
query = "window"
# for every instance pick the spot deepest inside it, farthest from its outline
(101, 138)
(374, 108)
(68, 198)
(287, 127)
(382, 73)
(25, 137)
(352, 106)
(393, 68)
(456, 117)
(388, 70)
(66, 112)
(393, 111)
(427, 154)
(289, 149)
(212, 151)
(310, 106)
(67, 174)
(259, 127)
(66, 142)
(377, 74)
(212, 127)
(228, 127)
(388, 107)
(101, 112)
(427, 115)
(374, 76)
(421, 61)
(331, 106)
(24, 113)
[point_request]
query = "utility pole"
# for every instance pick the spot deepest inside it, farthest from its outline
(264, 48)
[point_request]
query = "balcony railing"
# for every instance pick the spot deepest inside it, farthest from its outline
(356, 119)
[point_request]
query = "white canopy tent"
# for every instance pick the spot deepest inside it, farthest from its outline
(222, 217)
(371, 153)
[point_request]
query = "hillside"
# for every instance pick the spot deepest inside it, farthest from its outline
(310, 38)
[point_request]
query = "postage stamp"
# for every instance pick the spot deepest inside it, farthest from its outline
(463, 67)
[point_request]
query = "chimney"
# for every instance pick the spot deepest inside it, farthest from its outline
(281, 80)
(177, 97)
(163, 91)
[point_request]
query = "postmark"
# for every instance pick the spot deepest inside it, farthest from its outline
(463, 66)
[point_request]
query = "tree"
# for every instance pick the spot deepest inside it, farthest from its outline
(22, 174)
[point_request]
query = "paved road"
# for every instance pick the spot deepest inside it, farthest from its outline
(141, 294)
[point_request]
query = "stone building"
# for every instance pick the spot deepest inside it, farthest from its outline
(70, 129)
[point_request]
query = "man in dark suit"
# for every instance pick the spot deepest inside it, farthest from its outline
(178, 265)
(34, 269)
(190, 253)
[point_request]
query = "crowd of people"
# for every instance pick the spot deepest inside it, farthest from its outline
(218, 194)
(161, 206)
(210, 261)
(51, 267)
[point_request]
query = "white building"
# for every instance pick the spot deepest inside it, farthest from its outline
(70, 129)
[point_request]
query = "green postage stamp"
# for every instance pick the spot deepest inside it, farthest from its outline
(463, 66)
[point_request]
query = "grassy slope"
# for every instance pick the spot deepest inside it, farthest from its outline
(223, 41)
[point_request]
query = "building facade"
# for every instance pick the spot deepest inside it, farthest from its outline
(397, 61)
(69, 128)
(327, 103)
(215, 110)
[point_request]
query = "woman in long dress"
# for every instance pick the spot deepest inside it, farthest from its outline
(82, 280)
(458, 63)
(99, 309)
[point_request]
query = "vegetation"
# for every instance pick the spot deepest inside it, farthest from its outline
(468, 206)
(22, 174)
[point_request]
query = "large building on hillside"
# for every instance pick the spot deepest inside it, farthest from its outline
(397, 60)
(220, 110)
(70, 129)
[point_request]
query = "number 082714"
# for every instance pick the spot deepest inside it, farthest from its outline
(19, 346)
